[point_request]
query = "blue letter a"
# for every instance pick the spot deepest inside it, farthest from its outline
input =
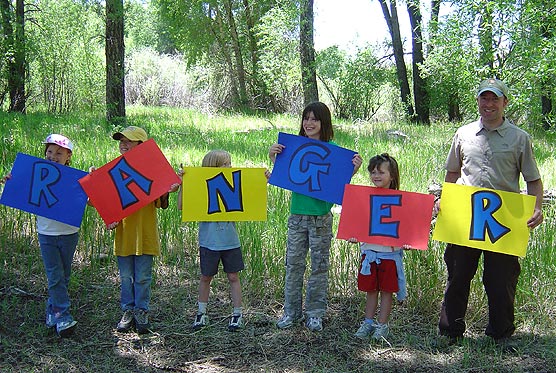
(484, 205)
(44, 175)
(231, 196)
(123, 175)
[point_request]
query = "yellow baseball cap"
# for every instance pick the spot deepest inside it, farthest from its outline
(131, 133)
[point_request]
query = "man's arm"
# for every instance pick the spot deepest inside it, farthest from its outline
(535, 188)
(452, 177)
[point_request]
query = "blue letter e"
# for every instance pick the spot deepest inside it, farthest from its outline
(379, 209)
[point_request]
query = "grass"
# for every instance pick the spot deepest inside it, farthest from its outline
(185, 136)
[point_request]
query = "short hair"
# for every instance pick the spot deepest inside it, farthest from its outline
(377, 160)
(216, 158)
(322, 113)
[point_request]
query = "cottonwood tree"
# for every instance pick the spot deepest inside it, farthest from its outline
(390, 13)
(307, 52)
(115, 72)
(420, 89)
(222, 34)
(13, 31)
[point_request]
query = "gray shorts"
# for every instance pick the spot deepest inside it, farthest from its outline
(232, 260)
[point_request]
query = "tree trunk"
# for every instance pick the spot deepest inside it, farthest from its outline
(115, 73)
(307, 53)
(15, 58)
(420, 91)
(236, 46)
(391, 17)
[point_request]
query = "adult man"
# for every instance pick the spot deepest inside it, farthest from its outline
(489, 153)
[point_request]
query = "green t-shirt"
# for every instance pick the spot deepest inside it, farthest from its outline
(305, 205)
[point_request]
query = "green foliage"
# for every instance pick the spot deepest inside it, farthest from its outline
(279, 55)
(355, 84)
(65, 57)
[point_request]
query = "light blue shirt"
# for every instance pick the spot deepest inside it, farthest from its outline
(218, 235)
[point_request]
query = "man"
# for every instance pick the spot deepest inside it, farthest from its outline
(489, 153)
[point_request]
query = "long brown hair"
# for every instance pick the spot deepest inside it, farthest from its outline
(322, 113)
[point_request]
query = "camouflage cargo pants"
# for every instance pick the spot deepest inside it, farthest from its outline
(314, 234)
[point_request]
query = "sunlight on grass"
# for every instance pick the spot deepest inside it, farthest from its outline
(186, 136)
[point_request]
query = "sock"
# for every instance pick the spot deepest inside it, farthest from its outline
(237, 311)
(369, 321)
(202, 307)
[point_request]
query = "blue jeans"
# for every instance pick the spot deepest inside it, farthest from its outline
(135, 277)
(57, 256)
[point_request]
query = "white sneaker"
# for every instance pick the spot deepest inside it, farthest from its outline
(381, 332)
(236, 322)
(365, 330)
(314, 324)
(65, 328)
(201, 320)
(287, 321)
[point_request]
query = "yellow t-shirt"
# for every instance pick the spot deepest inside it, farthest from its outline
(137, 234)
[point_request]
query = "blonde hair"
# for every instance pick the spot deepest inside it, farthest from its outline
(216, 158)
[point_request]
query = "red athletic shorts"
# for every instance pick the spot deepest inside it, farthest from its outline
(383, 277)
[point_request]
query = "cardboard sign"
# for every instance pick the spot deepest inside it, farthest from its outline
(224, 194)
(45, 188)
(314, 168)
(485, 219)
(386, 217)
(129, 182)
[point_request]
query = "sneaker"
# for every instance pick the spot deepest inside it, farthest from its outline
(365, 330)
(287, 321)
(381, 332)
(201, 320)
(142, 321)
(127, 321)
(65, 328)
(314, 324)
(236, 322)
(50, 320)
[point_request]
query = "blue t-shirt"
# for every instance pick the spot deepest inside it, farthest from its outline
(218, 235)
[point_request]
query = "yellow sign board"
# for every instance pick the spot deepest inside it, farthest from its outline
(485, 219)
(224, 194)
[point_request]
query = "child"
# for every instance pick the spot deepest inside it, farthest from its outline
(57, 242)
(309, 228)
(136, 243)
(381, 268)
(218, 242)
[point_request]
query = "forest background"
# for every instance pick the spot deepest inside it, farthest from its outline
(234, 73)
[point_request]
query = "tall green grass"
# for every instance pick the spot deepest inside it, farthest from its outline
(185, 136)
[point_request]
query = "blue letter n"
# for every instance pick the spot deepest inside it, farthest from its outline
(231, 196)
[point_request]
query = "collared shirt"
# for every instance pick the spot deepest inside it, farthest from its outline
(492, 158)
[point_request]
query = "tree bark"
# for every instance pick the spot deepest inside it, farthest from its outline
(236, 47)
(420, 91)
(391, 16)
(15, 58)
(307, 53)
(115, 69)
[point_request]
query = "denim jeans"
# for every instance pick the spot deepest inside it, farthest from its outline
(135, 277)
(57, 256)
